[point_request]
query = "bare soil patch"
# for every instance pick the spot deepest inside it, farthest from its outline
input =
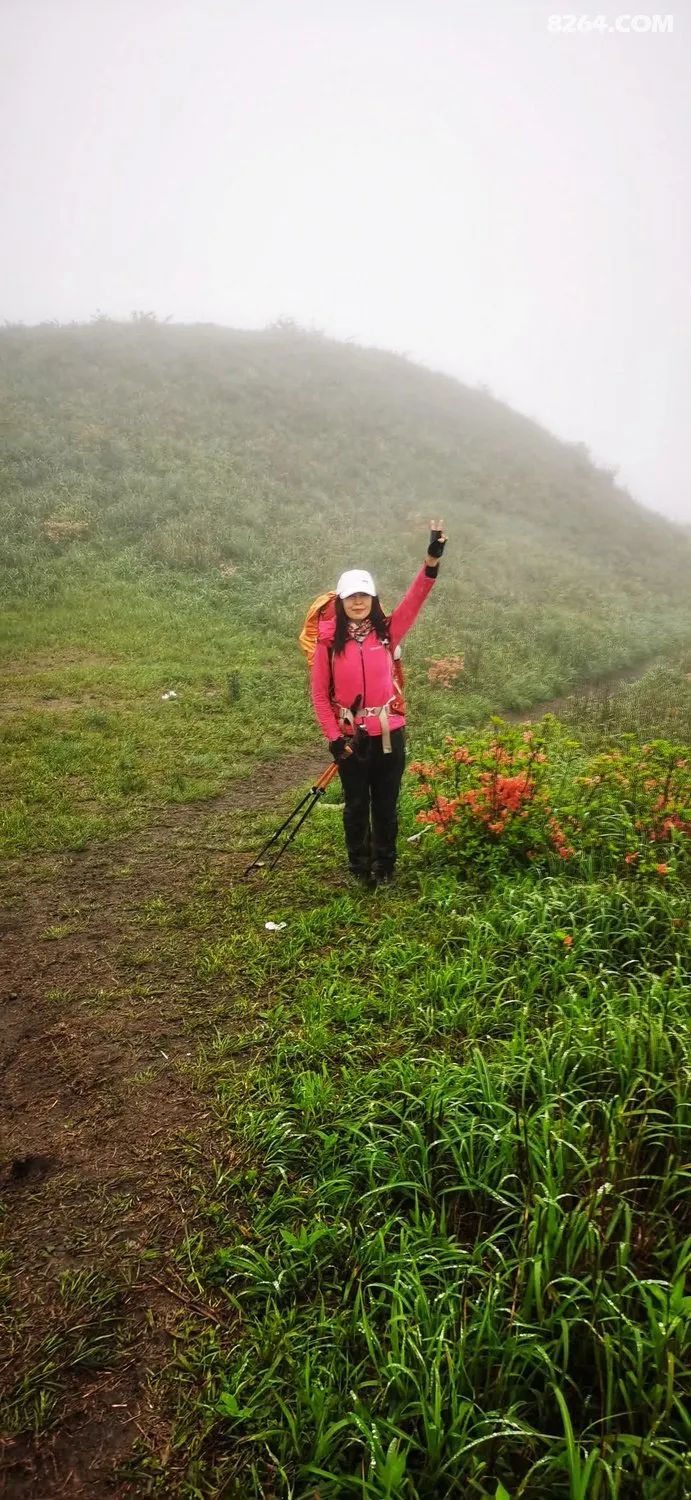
(37, 705)
(96, 1110)
(47, 661)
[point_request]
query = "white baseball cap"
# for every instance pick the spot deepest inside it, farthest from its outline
(355, 581)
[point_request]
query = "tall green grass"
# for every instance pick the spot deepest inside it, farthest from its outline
(451, 1240)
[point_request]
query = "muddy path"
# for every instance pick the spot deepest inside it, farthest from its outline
(96, 1107)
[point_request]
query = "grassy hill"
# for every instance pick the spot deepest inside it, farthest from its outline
(310, 1190)
(174, 496)
(175, 455)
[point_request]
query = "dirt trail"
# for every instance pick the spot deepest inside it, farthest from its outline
(93, 1110)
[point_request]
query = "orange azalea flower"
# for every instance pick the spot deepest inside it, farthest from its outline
(568, 941)
(673, 821)
(420, 768)
(662, 869)
(629, 858)
(445, 671)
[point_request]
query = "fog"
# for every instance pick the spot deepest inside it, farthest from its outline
(453, 180)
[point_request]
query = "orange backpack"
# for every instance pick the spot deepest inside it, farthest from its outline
(324, 608)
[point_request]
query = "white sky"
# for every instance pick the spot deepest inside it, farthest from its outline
(444, 177)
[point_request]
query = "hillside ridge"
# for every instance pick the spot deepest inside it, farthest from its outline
(254, 466)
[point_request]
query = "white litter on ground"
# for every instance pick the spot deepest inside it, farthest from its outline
(169, 694)
(275, 926)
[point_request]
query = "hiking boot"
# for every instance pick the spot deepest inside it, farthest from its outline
(382, 877)
(363, 876)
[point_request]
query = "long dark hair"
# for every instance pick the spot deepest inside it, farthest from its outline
(380, 623)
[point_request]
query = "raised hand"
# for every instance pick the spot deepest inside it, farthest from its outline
(437, 541)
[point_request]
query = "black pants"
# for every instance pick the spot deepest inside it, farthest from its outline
(371, 782)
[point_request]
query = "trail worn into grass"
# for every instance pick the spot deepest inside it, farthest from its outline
(95, 1105)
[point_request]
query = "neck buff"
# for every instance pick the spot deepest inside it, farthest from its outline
(358, 629)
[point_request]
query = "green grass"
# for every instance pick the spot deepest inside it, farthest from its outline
(90, 748)
(446, 1233)
(450, 1252)
(658, 704)
(81, 1331)
(173, 499)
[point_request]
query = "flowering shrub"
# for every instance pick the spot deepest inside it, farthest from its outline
(530, 793)
(444, 670)
(64, 529)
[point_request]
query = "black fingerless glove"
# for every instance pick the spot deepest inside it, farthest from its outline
(338, 749)
(436, 546)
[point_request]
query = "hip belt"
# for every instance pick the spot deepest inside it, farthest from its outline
(346, 716)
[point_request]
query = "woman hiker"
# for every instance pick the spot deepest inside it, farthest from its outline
(355, 700)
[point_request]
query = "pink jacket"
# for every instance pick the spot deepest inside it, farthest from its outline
(364, 669)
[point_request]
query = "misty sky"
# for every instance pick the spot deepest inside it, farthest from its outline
(441, 177)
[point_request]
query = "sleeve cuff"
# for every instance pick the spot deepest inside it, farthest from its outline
(431, 572)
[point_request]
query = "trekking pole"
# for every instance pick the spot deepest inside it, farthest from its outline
(310, 798)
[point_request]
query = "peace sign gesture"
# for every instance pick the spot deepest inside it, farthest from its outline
(436, 544)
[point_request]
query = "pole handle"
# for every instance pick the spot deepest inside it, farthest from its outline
(326, 777)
